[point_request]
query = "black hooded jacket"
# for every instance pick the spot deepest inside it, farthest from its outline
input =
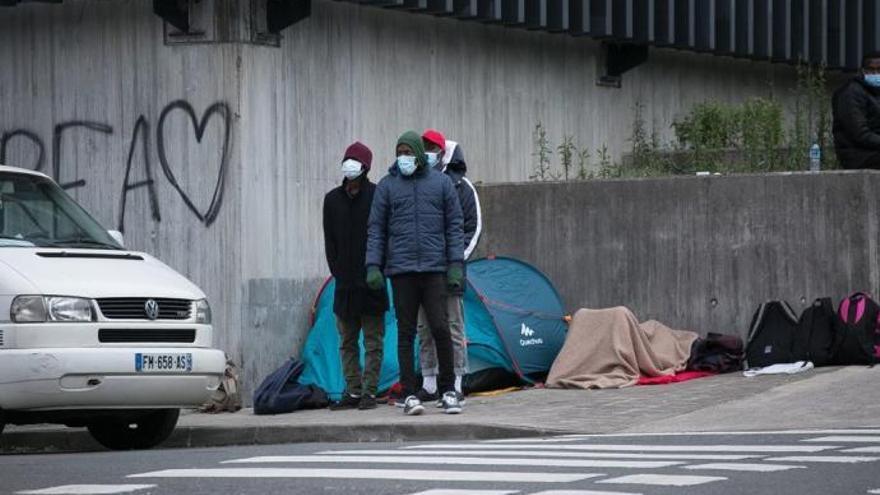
(456, 169)
(856, 108)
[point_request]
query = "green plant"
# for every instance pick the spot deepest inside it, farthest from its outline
(542, 154)
(583, 159)
(566, 151)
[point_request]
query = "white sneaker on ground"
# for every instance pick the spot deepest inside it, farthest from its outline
(413, 406)
(451, 405)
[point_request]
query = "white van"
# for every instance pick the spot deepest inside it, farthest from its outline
(92, 334)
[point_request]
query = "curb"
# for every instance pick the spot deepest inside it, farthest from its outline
(79, 440)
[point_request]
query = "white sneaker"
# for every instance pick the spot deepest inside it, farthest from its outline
(451, 405)
(413, 406)
(461, 400)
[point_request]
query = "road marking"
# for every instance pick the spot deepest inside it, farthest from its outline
(737, 466)
(662, 480)
(638, 448)
(876, 491)
(582, 492)
(843, 459)
(372, 474)
(87, 490)
(845, 439)
(517, 453)
(863, 450)
(467, 461)
(443, 491)
(565, 438)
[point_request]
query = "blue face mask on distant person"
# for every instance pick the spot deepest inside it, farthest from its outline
(873, 80)
(406, 164)
(432, 158)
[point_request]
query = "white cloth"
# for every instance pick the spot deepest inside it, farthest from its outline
(780, 369)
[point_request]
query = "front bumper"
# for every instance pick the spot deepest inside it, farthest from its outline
(103, 378)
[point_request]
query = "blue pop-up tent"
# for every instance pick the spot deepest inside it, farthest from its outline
(514, 321)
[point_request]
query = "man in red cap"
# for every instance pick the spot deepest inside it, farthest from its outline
(346, 212)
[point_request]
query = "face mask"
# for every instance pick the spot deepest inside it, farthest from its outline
(432, 158)
(351, 169)
(873, 80)
(406, 164)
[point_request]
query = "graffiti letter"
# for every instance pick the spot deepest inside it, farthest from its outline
(56, 147)
(41, 149)
(148, 183)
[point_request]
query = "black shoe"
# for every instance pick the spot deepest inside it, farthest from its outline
(425, 396)
(348, 402)
(367, 402)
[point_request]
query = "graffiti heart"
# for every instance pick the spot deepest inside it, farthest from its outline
(141, 134)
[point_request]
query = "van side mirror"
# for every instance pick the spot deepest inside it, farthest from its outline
(117, 236)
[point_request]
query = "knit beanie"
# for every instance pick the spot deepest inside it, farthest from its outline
(414, 141)
(359, 151)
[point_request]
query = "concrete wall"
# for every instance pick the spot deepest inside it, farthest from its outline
(697, 253)
(346, 73)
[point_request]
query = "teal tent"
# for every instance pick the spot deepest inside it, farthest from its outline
(514, 322)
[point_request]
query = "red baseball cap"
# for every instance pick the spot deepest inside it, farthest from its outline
(436, 137)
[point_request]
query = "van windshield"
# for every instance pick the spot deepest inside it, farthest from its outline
(34, 211)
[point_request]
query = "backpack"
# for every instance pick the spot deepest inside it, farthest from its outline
(771, 335)
(716, 353)
(816, 332)
(280, 392)
(858, 338)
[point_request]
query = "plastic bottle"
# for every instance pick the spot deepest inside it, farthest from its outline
(815, 158)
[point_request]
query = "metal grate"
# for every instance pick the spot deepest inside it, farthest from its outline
(126, 335)
(133, 308)
(1, 337)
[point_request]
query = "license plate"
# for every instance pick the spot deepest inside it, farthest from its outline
(163, 363)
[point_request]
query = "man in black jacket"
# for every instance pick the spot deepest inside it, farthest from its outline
(346, 212)
(856, 107)
(448, 157)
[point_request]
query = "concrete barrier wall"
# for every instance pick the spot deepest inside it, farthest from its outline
(697, 253)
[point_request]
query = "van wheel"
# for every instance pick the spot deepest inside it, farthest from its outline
(143, 432)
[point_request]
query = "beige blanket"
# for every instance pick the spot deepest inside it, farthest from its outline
(609, 348)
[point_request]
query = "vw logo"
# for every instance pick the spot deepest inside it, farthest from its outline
(151, 307)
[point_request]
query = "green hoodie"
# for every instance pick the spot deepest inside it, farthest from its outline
(414, 141)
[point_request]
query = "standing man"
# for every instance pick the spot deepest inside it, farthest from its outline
(856, 108)
(346, 212)
(448, 157)
(415, 236)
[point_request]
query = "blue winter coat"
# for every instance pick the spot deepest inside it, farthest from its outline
(415, 223)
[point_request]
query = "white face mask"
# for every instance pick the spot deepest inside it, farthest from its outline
(352, 169)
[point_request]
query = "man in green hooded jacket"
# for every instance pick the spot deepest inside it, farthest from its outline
(415, 237)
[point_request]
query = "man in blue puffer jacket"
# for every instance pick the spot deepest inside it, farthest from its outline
(415, 236)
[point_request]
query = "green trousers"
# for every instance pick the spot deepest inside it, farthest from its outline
(350, 352)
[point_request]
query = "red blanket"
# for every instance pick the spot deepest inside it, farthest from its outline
(681, 376)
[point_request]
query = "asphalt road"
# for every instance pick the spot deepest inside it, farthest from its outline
(803, 463)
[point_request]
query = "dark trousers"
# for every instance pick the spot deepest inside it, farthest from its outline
(426, 290)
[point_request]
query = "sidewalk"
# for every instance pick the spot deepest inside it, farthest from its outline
(824, 398)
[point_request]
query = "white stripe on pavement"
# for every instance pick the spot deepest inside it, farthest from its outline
(467, 461)
(876, 491)
(843, 459)
(582, 492)
(863, 450)
(746, 467)
(372, 474)
(845, 439)
(443, 491)
(694, 434)
(542, 453)
(638, 448)
(662, 480)
(87, 490)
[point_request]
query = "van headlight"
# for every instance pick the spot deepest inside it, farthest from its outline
(203, 312)
(37, 309)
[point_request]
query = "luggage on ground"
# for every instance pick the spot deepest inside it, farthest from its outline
(817, 328)
(858, 338)
(281, 392)
(771, 335)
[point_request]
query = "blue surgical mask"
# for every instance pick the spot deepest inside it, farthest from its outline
(873, 80)
(432, 158)
(406, 164)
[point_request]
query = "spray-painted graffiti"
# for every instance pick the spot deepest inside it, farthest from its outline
(141, 133)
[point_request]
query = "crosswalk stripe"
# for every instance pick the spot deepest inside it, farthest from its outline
(877, 491)
(582, 492)
(638, 448)
(863, 450)
(843, 459)
(541, 453)
(444, 491)
(472, 461)
(374, 474)
(845, 439)
(662, 480)
(87, 490)
(742, 466)
(581, 436)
